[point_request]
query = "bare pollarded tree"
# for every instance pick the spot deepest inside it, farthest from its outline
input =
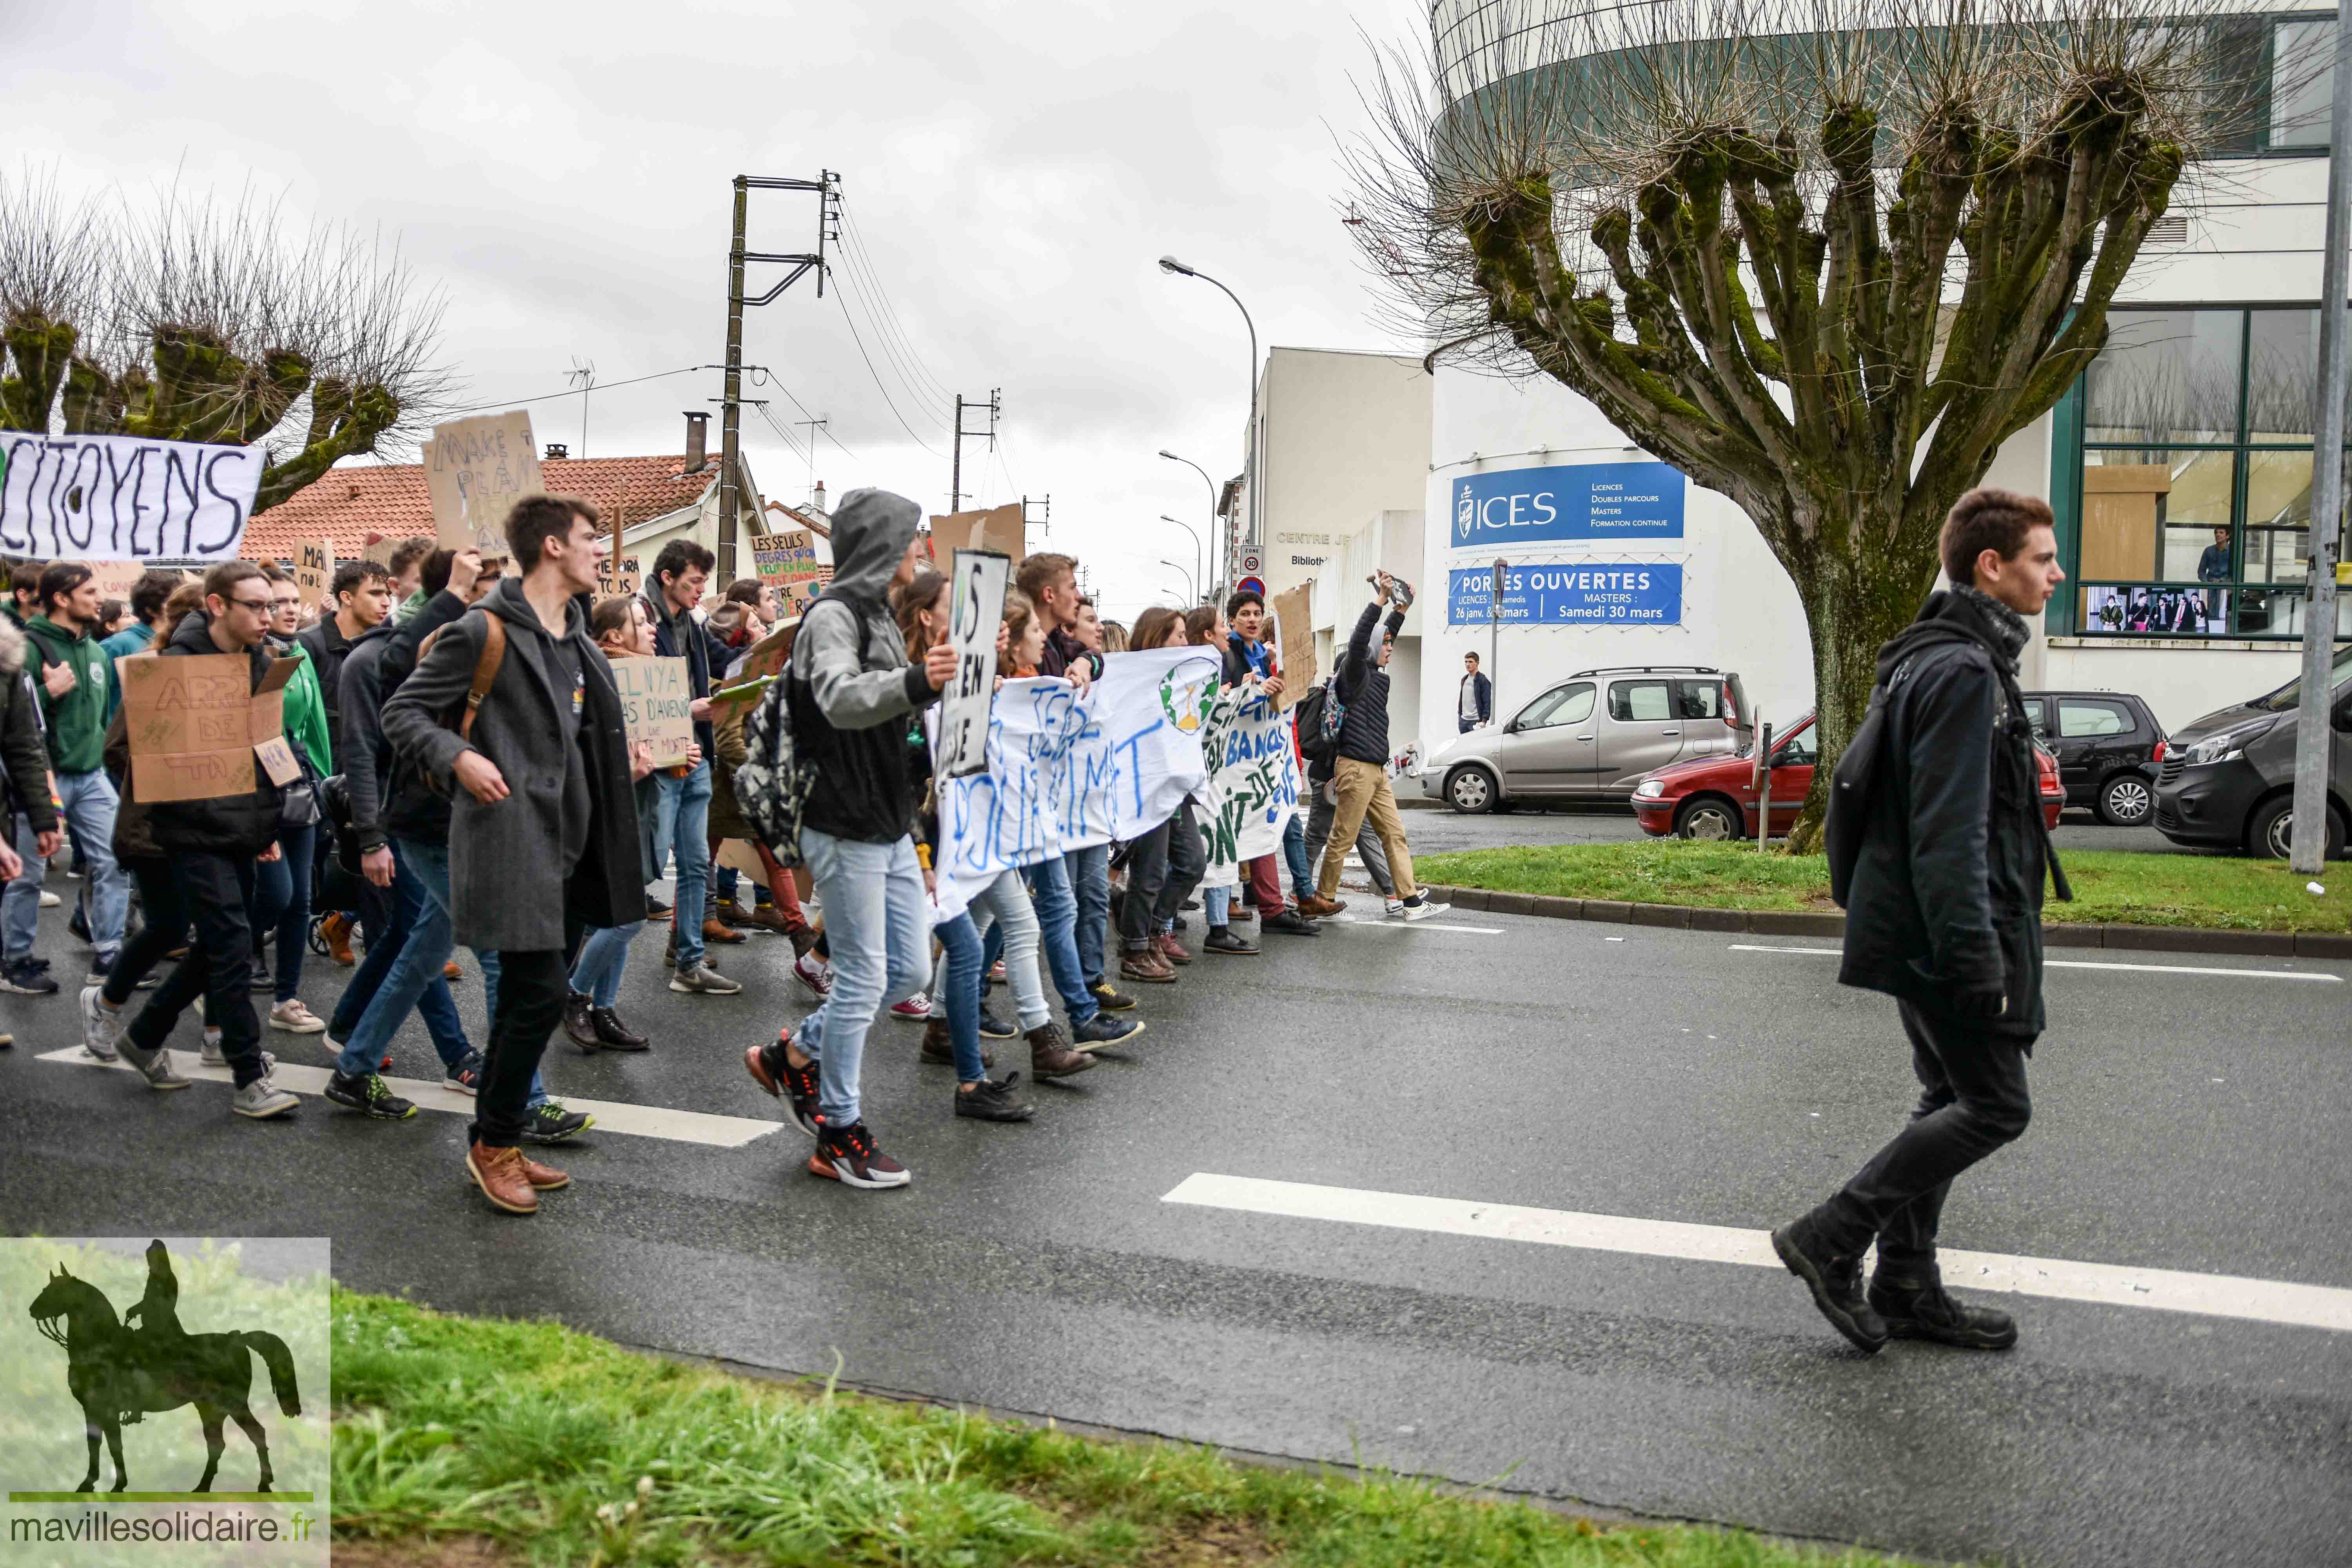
(203, 319)
(1823, 256)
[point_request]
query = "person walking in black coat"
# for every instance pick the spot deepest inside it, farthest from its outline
(544, 815)
(1944, 914)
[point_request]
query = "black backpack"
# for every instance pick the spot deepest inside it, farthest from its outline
(1318, 741)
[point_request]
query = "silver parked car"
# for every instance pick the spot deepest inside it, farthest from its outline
(1588, 739)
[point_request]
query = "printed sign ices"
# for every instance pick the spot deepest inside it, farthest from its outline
(1519, 507)
(1642, 594)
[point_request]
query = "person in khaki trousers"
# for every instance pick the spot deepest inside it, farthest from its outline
(1361, 777)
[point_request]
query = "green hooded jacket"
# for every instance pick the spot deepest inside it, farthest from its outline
(306, 707)
(77, 721)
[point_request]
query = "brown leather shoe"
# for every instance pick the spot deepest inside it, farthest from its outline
(767, 917)
(578, 1027)
(720, 931)
(450, 971)
(1148, 966)
(938, 1044)
(542, 1178)
(500, 1173)
(335, 930)
(1315, 906)
(1050, 1056)
(1169, 947)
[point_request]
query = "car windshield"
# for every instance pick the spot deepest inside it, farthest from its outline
(1747, 746)
(2287, 696)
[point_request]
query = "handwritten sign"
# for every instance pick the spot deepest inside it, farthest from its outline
(115, 579)
(314, 568)
(787, 562)
(656, 706)
(998, 529)
(476, 470)
(1294, 643)
(190, 722)
(120, 498)
(618, 574)
(975, 610)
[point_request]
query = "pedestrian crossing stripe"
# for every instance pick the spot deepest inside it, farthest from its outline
(2105, 1284)
(612, 1116)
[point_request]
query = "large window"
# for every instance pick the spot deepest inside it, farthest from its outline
(2192, 437)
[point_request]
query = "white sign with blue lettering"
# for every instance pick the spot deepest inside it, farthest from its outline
(1518, 507)
(1577, 593)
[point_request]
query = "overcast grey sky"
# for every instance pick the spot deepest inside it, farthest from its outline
(1013, 171)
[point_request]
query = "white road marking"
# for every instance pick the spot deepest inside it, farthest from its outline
(2107, 1284)
(1384, 924)
(612, 1116)
(2086, 964)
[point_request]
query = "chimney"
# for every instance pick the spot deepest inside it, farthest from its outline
(557, 449)
(697, 425)
(819, 502)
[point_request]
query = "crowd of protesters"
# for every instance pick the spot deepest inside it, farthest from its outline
(465, 779)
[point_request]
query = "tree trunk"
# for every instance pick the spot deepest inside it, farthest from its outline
(1854, 604)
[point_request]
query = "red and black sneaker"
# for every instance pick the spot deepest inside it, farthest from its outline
(772, 1070)
(848, 1155)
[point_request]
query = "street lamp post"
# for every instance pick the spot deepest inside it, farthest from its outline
(1213, 500)
(1250, 464)
(1200, 545)
(1191, 593)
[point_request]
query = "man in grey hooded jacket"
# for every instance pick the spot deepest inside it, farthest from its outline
(853, 696)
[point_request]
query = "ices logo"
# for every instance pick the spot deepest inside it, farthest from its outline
(1465, 510)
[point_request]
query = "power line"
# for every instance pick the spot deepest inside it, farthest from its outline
(576, 391)
(768, 378)
(862, 262)
(909, 381)
(884, 391)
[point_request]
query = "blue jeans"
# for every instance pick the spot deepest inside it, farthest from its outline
(1216, 903)
(1057, 914)
(1090, 886)
(417, 947)
(603, 953)
(877, 920)
(90, 801)
(1293, 850)
(961, 994)
(682, 822)
(281, 902)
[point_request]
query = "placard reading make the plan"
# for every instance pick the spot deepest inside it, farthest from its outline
(1647, 594)
(1516, 507)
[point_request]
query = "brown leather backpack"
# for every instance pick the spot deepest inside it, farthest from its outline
(486, 670)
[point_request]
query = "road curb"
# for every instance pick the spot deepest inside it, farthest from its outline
(1798, 922)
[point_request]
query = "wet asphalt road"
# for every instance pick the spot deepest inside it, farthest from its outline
(2185, 1122)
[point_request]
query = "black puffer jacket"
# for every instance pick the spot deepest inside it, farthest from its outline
(237, 825)
(1946, 907)
(1362, 684)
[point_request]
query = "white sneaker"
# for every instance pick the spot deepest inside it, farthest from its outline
(212, 1056)
(49, 900)
(703, 981)
(1419, 908)
(1393, 908)
(294, 1019)
(809, 971)
(100, 1024)
(262, 1099)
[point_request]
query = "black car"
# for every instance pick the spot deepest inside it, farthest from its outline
(2227, 778)
(2106, 742)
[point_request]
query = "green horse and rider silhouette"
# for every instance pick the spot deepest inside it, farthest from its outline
(117, 1373)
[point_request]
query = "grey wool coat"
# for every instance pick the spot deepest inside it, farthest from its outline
(507, 890)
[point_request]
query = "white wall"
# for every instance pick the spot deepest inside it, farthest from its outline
(1346, 437)
(2181, 679)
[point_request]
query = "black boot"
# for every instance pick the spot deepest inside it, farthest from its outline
(613, 1034)
(1835, 1281)
(577, 1024)
(1915, 1306)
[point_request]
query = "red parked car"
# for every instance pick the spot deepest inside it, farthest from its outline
(1716, 797)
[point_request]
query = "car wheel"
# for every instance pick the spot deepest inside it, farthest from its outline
(1471, 791)
(1711, 819)
(2125, 800)
(2271, 835)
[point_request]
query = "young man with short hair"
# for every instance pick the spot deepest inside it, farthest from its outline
(682, 807)
(361, 594)
(759, 596)
(147, 599)
(74, 681)
(1478, 702)
(1361, 775)
(543, 820)
(1250, 656)
(1944, 914)
(405, 567)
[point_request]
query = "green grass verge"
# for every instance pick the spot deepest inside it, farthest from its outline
(561, 1447)
(2111, 886)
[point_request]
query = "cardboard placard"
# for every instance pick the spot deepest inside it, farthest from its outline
(765, 658)
(190, 722)
(618, 574)
(270, 700)
(998, 529)
(1294, 643)
(476, 470)
(314, 569)
(656, 706)
(115, 579)
(737, 855)
(976, 585)
(786, 562)
(278, 760)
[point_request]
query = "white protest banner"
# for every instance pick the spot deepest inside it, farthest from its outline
(1253, 782)
(474, 471)
(1064, 771)
(975, 612)
(119, 498)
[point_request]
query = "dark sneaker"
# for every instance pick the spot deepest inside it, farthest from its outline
(369, 1096)
(1916, 1310)
(1290, 922)
(848, 1155)
(78, 925)
(772, 1070)
(996, 1026)
(28, 977)
(1220, 938)
(577, 1025)
(654, 909)
(1835, 1281)
(1102, 1029)
(809, 973)
(613, 1034)
(1050, 1055)
(1109, 1000)
(466, 1077)
(993, 1100)
(155, 1066)
(549, 1122)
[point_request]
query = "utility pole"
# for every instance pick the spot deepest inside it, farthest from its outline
(995, 405)
(1044, 520)
(2314, 710)
(827, 186)
(813, 425)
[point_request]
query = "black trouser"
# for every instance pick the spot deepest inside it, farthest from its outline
(531, 988)
(1972, 1102)
(165, 927)
(213, 891)
(1162, 866)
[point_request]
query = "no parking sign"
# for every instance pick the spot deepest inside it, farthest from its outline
(1252, 585)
